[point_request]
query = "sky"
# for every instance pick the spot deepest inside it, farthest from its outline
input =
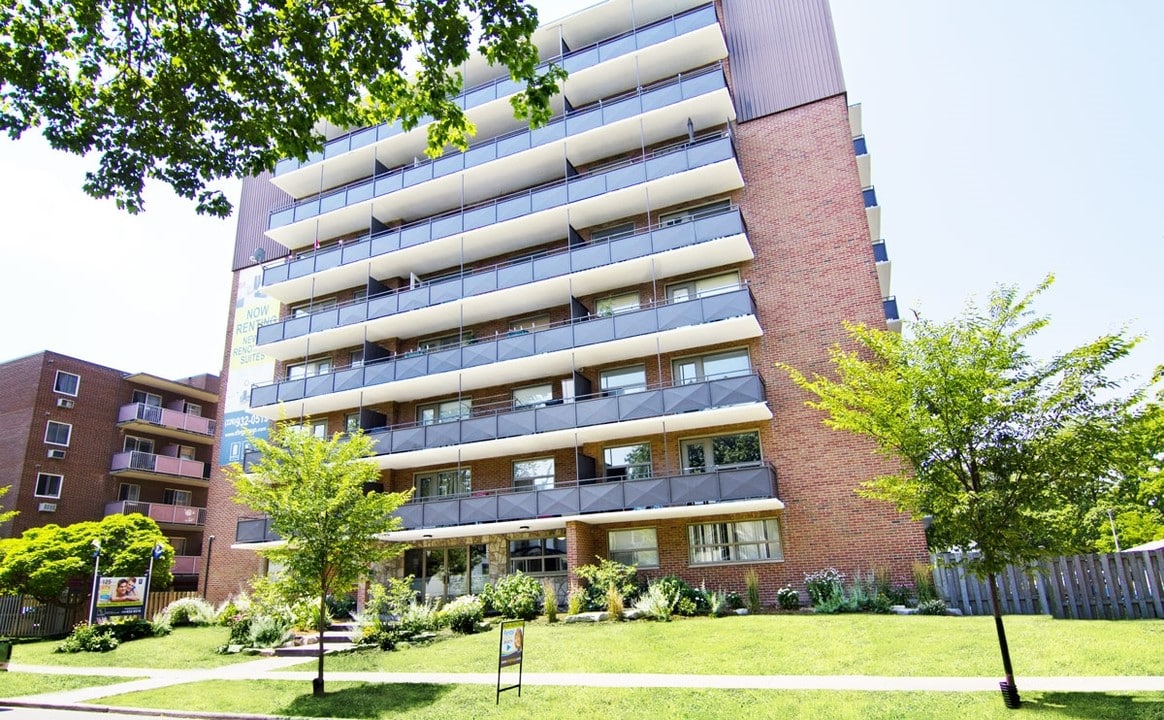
(1008, 141)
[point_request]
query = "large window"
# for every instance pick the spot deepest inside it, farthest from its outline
(316, 428)
(444, 342)
(311, 368)
(351, 422)
(446, 573)
(703, 454)
(711, 367)
(66, 383)
(612, 232)
(538, 556)
(744, 541)
(148, 399)
(57, 433)
(48, 485)
(444, 411)
(617, 304)
(694, 213)
(530, 324)
(304, 309)
(532, 397)
(623, 380)
(628, 462)
(440, 483)
(533, 474)
(172, 496)
(128, 492)
(639, 547)
(703, 287)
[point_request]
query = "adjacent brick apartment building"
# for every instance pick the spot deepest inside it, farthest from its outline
(80, 441)
(564, 339)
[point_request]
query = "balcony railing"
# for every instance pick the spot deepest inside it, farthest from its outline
(166, 418)
(186, 565)
(160, 464)
(160, 512)
(656, 318)
(574, 61)
(255, 530)
(890, 306)
(880, 254)
(593, 496)
(870, 197)
(520, 272)
(662, 163)
(579, 121)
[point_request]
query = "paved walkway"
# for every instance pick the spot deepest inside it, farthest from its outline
(274, 669)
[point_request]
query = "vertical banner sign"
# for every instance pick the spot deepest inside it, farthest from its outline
(510, 652)
(248, 366)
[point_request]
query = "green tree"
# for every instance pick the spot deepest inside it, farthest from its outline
(43, 560)
(190, 92)
(991, 443)
(6, 516)
(312, 489)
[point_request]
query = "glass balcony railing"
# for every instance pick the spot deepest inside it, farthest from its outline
(661, 163)
(126, 462)
(890, 306)
(870, 196)
(165, 417)
(582, 120)
(880, 254)
(859, 146)
(579, 497)
(578, 59)
(508, 275)
(657, 318)
(159, 512)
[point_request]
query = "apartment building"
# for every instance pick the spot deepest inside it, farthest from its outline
(564, 340)
(81, 441)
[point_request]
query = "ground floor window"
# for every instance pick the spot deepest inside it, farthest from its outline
(445, 573)
(638, 547)
(743, 541)
(538, 556)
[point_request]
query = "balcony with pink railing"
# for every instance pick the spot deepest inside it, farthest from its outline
(144, 464)
(159, 512)
(186, 565)
(165, 418)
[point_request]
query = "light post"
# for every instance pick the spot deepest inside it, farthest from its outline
(96, 575)
(1116, 538)
(206, 572)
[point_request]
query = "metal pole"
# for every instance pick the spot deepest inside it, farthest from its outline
(1116, 538)
(206, 575)
(93, 592)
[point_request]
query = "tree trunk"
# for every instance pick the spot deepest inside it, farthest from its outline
(317, 683)
(1009, 689)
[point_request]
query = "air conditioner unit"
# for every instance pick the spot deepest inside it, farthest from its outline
(65, 403)
(47, 507)
(56, 454)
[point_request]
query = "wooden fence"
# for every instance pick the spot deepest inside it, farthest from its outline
(22, 616)
(1114, 586)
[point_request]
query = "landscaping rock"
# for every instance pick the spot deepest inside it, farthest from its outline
(742, 611)
(588, 617)
(956, 612)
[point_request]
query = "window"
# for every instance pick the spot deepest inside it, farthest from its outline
(356, 358)
(538, 556)
(57, 433)
(628, 462)
(444, 573)
(694, 213)
(745, 541)
(703, 287)
(305, 309)
(442, 483)
(528, 325)
(317, 428)
(147, 398)
(623, 380)
(617, 304)
(532, 397)
(311, 368)
(445, 411)
(48, 485)
(179, 545)
(138, 444)
(639, 547)
(444, 342)
(193, 409)
(66, 383)
(711, 367)
(186, 452)
(128, 492)
(351, 422)
(176, 497)
(613, 232)
(703, 454)
(533, 474)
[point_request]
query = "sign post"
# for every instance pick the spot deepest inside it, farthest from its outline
(510, 653)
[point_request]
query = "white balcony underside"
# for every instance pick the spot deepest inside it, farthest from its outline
(884, 270)
(526, 231)
(731, 507)
(873, 215)
(520, 300)
(865, 170)
(552, 364)
(558, 439)
(647, 65)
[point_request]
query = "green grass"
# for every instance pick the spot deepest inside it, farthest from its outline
(422, 702)
(801, 645)
(15, 684)
(184, 648)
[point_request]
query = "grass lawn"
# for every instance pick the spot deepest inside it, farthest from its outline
(421, 702)
(15, 684)
(186, 647)
(801, 645)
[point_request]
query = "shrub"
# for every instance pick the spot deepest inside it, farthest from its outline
(923, 582)
(305, 614)
(514, 596)
(549, 601)
(898, 594)
(752, 581)
(463, 614)
(933, 606)
(882, 604)
(823, 586)
(189, 611)
(129, 629)
(686, 599)
(576, 602)
(420, 618)
(88, 638)
(614, 603)
(341, 607)
(267, 631)
(717, 603)
(599, 578)
(657, 601)
(787, 598)
(734, 601)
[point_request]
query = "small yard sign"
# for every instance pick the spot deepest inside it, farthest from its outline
(510, 653)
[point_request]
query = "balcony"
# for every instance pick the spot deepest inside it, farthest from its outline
(884, 267)
(672, 175)
(148, 466)
(186, 565)
(163, 421)
(255, 530)
(162, 514)
(556, 350)
(647, 46)
(516, 287)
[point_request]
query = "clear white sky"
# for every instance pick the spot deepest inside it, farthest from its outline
(1008, 140)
